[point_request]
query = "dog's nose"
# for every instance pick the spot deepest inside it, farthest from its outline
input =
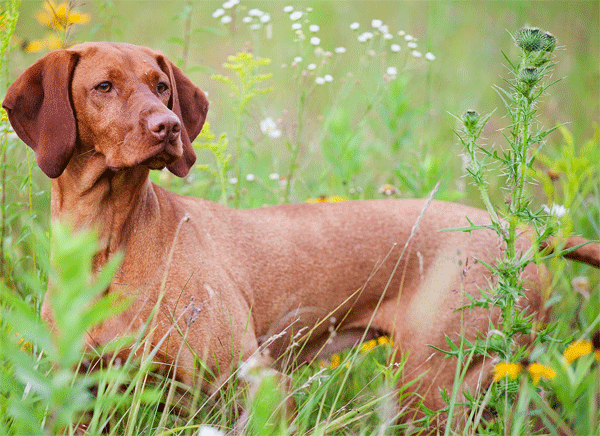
(164, 126)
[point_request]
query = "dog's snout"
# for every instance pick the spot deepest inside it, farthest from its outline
(164, 127)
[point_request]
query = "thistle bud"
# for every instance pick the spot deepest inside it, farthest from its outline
(527, 79)
(470, 119)
(549, 42)
(530, 39)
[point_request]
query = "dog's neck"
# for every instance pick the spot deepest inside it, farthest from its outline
(107, 202)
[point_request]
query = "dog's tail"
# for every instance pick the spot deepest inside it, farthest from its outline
(575, 248)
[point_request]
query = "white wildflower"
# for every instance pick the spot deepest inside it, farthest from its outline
(298, 59)
(255, 13)
(311, 67)
(328, 78)
(218, 13)
(408, 37)
(313, 28)
(274, 176)
(207, 430)
(228, 5)
(354, 26)
(376, 24)
(430, 56)
(288, 9)
(296, 26)
(340, 50)
(309, 9)
(265, 18)
(416, 53)
(556, 210)
(226, 19)
(387, 36)
(384, 28)
(391, 71)
(247, 19)
(395, 48)
(320, 80)
(412, 44)
(232, 180)
(250, 177)
(365, 36)
(401, 33)
(296, 15)
(269, 128)
(255, 26)
(315, 40)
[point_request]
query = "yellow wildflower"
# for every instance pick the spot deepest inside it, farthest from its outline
(536, 371)
(577, 349)
(335, 361)
(60, 16)
(504, 369)
(385, 340)
(367, 346)
(324, 199)
(51, 42)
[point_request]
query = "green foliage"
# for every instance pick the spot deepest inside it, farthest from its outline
(47, 393)
(205, 141)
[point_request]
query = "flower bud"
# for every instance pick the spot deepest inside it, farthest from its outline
(470, 119)
(529, 39)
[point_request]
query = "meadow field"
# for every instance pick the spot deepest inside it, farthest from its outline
(323, 101)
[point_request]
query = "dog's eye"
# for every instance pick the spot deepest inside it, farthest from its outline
(104, 87)
(161, 87)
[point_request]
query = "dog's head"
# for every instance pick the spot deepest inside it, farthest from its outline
(128, 103)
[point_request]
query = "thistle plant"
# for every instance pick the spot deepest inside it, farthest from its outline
(528, 82)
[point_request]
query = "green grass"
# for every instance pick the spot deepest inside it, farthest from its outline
(347, 137)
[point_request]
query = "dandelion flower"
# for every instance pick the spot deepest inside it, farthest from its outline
(577, 349)
(395, 48)
(503, 369)
(429, 56)
(315, 40)
(296, 15)
(269, 128)
(537, 370)
(354, 26)
(313, 28)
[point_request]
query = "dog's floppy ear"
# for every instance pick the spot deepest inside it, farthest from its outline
(39, 109)
(190, 104)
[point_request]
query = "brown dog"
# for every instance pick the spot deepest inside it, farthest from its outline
(100, 116)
